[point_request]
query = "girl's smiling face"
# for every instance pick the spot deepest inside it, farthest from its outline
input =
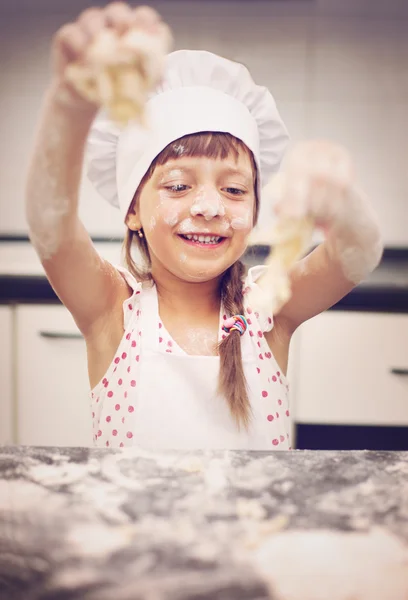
(196, 214)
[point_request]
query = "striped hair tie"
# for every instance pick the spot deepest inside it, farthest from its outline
(237, 323)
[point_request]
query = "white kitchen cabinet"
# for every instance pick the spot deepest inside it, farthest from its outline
(53, 407)
(351, 369)
(6, 375)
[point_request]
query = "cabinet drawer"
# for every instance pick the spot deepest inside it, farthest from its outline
(353, 369)
(53, 405)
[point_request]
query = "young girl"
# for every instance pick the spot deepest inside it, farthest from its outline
(177, 356)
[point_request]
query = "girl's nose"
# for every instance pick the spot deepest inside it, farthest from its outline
(208, 205)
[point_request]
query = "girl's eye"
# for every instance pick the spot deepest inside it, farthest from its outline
(178, 187)
(235, 191)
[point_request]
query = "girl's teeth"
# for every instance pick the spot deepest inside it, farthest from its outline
(203, 239)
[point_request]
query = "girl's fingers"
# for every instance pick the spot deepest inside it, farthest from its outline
(294, 200)
(119, 16)
(71, 41)
(145, 16)
(162, 30)
(92, 21)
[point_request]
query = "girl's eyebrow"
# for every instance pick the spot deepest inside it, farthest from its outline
(248, 178)
(167, 169)
(242, 173)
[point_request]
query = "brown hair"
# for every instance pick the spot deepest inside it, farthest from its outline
(232, 383)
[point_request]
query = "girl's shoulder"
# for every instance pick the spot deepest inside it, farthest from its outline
(263, 315)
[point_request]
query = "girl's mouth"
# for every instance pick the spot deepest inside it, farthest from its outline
(202, 240)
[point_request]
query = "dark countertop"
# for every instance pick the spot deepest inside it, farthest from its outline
(385, 290)
(94, 524)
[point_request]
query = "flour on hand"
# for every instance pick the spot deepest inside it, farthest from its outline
(120, 70)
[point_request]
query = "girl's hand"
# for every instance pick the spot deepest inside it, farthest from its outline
(317, 188)
(74, 42)
(316, 182)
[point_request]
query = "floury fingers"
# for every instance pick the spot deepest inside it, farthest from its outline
(120, 70)
(316, 189)
(319, 183)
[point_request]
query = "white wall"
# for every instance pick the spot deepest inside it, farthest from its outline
(337, 69)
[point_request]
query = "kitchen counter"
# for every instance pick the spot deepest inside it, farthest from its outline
(95, 524)
(22, 278)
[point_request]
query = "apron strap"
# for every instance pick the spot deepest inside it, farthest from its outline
(149, 307)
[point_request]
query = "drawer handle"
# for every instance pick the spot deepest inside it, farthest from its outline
(403, 372)
(56, 335)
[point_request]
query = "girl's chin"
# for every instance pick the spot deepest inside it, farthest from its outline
(197, 267)
(199, 276)
(199, 273)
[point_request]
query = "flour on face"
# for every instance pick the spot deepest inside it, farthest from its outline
(242, 222)
(207, 205)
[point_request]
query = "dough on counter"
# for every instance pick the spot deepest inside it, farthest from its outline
(191, 464)
(248, 508)
(120, 70)
(258, 530)
(337, 565)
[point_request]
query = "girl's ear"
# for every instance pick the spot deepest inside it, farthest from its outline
(133, 221)
(132, 218)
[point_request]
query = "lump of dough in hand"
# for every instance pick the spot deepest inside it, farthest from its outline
(290, 237)
(120, 70)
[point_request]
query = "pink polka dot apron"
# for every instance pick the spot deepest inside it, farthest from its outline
(171, 397)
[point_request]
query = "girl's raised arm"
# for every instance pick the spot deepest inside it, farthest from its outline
(88, 286)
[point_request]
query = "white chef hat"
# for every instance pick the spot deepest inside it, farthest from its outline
(200, 91)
